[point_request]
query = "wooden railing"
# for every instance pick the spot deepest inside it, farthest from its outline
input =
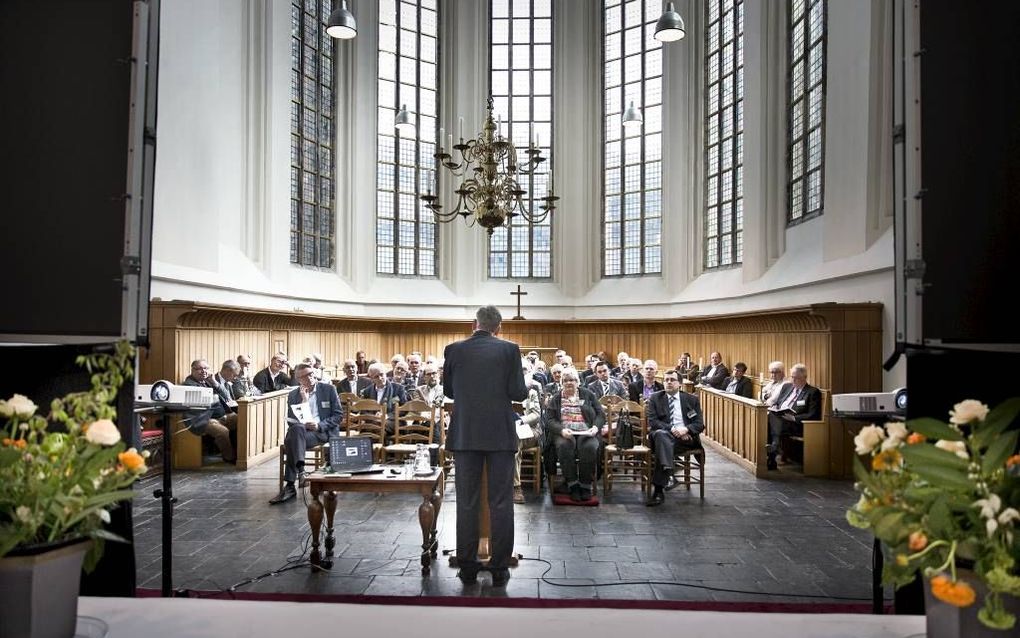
(738, 428)
(261, 426)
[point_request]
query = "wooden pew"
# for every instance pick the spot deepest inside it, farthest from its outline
(261, 427)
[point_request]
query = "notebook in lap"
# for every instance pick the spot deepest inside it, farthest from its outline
(352, 455)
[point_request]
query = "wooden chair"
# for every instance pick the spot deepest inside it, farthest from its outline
(686, 462)
(368, 418)
(315, 457)
(627, 464)
(346, 399)
(414, 424)
(531, 460)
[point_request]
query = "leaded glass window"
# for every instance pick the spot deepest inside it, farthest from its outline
(806, 99)
(520, 78)
(312, 103)
(408, 75)
(632, 183)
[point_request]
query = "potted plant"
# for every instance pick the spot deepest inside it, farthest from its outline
(944, 499)
(59, 476)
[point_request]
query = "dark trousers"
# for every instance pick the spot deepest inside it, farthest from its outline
(664, 447)
(500, 467)
(778, 428)
(298, 440)
(583, 448)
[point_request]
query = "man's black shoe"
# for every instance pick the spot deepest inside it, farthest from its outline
(575, 493)
(671, 482)
(467, 576)
(585, 493)
(287, 493)
(500, 577)
(657, 498)
(771, 463)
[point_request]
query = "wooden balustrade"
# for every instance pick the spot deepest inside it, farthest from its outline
(736, 427)
(261, 427)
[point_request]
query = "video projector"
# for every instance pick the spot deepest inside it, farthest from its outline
(870, 405)
(177, 397)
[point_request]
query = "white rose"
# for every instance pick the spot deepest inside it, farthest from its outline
(967, 411)
(18, 404)
(891, 443)
(869, 437)
(23, 513)
(103, 432)
(104, 516)
(959, 448)
(896, 430)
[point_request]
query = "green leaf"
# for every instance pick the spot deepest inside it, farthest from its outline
(934, 429)
(946, 477)
(999, 451)
(863, 475)
(940, 520)
(889, 526)
(1000, 417)
(924, 455)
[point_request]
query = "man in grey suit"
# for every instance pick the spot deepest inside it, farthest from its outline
(482, 374)
(603, 384)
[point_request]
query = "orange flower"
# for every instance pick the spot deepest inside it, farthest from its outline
(8, 442)
(916, 437)
(21, 444)
(131, 459)
(886, 460)
(1013, 460)
(917, 541)
(958, 594)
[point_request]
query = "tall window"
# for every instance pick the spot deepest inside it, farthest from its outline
(724, 133)
(408, 73)
(632, 205)
(806, 99)
(521, 88)
(311, 134)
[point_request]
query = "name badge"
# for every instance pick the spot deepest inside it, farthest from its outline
(324, 404)
(801, 403)
(692, 414)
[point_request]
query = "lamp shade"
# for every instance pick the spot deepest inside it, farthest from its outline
(341, 24)
(404, 122)
(632, 116)
(670, 26)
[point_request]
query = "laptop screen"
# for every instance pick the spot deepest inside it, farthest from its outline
(350, 453)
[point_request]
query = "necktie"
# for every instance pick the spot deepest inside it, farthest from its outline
(672, 403)
(605, 389)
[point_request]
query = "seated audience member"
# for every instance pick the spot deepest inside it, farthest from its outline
(218, 421)
(715, 374)
(386, 392)
(589, 370)
(323, 421)
(604, 384)
(273, 377)
(228, 379)
(414, 376)
(532, 417)
(401, 376)
(320, 370)
(574, 417)
(431, 390)
(674, 422)
(777, 379)
(622, 366)
(541, 374)
(551, 388)
(310, 362)
(352, 383)
(529, 377)
(738, 384)
(634, 372)
(559, 356)
(686, 368)
(795, 403)
(532, 358)
(244, 377)
(394, 360)
(361, 360)
(647, 385)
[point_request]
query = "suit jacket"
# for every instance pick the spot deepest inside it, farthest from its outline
(197, 421)
(327, 401)
(714, 379)
(393, 395)
(661, 418)
(586, 376)
(482, 374)
(345, 385)
(744, 387)
(264, 381)
(591, 409)
(231, 389)
(615, 387)
(631, 377)
(637, 390)
(808, 404)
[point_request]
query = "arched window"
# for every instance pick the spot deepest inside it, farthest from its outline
(520, 76)
(408, 76)
(724, 132)
(632, 198)
(806, 102)
(312, 99)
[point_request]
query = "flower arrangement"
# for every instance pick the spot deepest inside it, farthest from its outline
(938, 494)
(60, 474)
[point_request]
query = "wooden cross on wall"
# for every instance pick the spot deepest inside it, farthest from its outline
(518, 294)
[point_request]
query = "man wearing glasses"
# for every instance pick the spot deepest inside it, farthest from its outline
(274, 376)
(777, 379)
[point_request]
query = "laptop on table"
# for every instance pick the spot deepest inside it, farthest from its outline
(352, 455)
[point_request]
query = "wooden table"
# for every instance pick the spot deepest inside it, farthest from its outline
(323, 488)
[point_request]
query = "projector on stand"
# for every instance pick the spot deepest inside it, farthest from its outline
(168, 395)
(870, 405)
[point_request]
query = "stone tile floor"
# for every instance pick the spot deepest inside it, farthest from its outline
(748, 541)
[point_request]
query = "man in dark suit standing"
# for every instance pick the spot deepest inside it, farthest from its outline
(352, 383)
(796, 402)
(320, 422)
(674, 421)
(482, 374)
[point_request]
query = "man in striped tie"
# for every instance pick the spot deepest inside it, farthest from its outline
(796, 402)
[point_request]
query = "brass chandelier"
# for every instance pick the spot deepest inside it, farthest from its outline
(490, 194)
